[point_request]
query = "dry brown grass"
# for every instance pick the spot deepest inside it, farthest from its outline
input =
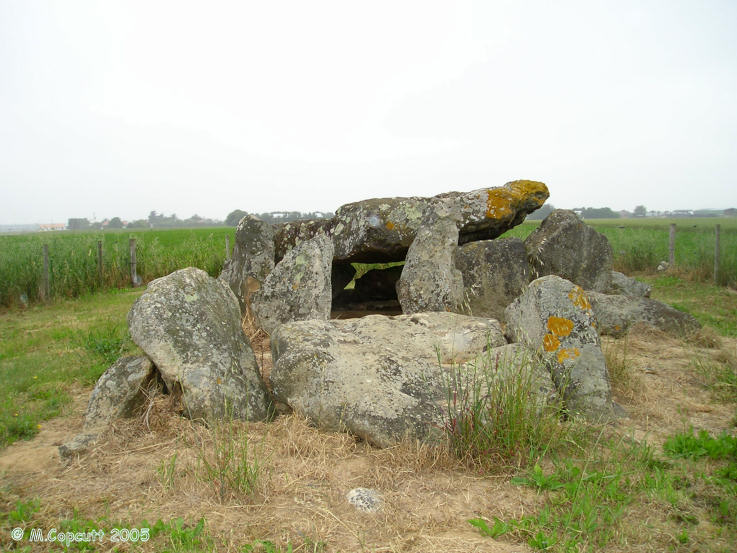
(428, 495)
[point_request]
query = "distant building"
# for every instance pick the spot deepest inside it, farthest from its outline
(52, 226)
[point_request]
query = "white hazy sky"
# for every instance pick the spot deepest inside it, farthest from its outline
(118, 108)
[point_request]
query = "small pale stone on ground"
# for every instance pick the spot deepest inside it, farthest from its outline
(365, 499)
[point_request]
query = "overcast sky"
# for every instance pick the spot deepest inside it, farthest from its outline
(120, 108)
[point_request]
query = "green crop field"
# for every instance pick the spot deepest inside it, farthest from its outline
(73, 259)
(639, 246)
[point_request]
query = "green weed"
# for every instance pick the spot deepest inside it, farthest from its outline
(230, 462)
(24, 511)
(702, 444)
(494, 415)
(166, 472)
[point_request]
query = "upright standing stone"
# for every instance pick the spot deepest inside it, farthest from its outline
(563, 245)
(299, 286)
(494, 273)
(253, 258)
(430, 280)
(553, 317)
(189, 325)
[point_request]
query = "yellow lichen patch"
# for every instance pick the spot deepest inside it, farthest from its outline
(503, 202)
(528, 189)
(560, 326)
(578, 297)
(389, 225)
(550, 342)
(568, 353)
(498, 203)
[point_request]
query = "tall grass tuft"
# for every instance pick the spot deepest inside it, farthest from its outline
(495, 415)
(230, 462)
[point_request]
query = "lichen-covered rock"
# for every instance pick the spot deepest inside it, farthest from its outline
(554, 318)
(615, 314)
(118, 392)
(628, 286)
(377, 377)
(189, 324)
(299, 286)
(253, 258)
(378, 284)
(494, 273)
(382, 229)
(430, 280)
(563, 245)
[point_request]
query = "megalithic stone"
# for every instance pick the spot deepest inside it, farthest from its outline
(382, 229)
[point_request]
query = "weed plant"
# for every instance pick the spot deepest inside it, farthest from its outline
(230, 463)
(495, 416)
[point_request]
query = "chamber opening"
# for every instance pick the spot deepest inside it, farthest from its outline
(372, 290)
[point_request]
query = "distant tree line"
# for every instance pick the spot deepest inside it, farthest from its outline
(159, 220)
(274, 217)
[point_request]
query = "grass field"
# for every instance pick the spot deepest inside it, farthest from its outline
(73, 259)
(639, 245)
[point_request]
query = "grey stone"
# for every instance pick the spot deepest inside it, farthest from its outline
(189, 325)
(379, 378)
(628, 286)
(563, 245)
(80, 444)
(253, 258)
(615, 314)
(382, 229)
(494, 273)
(430, 280)
(118, 392)
(365, 499)
(299, 286)
(554, 317)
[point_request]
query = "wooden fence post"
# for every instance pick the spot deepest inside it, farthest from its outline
(227, 247)
(99, 260)
(672, 246)
(716, 255)
(46, 284)
(135, 279)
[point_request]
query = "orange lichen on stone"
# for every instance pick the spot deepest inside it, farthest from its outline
(551, 342)
(560, 326)
(579, 299)
(528, 188)
(390, 225)
(498, 203)
(568, 353)
(503, 202)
